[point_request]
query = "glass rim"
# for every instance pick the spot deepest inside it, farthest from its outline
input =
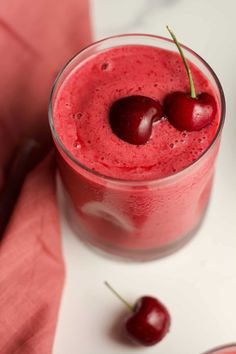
(222, 347)
(132, 181)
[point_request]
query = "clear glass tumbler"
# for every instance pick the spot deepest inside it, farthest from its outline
(137, 220)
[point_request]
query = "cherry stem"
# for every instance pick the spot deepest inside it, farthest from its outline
(192, 88)
(118, 295)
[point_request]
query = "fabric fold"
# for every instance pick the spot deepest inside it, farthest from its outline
(36, 39)
(31, 267)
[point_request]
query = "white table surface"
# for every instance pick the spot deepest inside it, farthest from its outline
(198, 283)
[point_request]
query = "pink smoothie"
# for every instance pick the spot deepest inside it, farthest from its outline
(82, 110)
(142, 216)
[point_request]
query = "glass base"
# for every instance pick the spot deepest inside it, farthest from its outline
(120, 253)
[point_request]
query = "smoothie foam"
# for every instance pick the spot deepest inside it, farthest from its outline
(82, 113)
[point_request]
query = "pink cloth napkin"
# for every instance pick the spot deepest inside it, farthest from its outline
(36, 38)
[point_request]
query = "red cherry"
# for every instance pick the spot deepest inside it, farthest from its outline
(149, 322)
(187, 113)
(131, 118)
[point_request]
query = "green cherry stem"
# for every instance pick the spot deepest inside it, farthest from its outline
(118, 295)
(192, 88)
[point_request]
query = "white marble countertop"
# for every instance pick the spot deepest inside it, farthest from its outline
(198, 283)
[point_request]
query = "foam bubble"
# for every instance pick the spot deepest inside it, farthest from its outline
(78, 115)
(76, 144)
(105, 66)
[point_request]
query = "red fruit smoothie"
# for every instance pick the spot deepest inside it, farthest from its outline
(132, 199)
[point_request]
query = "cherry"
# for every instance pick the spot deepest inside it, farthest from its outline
(149, 321)
(189, 112)
(131, 118)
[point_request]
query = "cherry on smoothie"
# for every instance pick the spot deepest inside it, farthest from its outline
(189, 111)
(148, 322)
(131, 118)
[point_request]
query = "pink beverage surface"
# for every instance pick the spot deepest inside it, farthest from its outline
(118, 216)
(82, 110)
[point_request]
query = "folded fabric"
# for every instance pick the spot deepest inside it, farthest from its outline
(36, 39)
(31, 267)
